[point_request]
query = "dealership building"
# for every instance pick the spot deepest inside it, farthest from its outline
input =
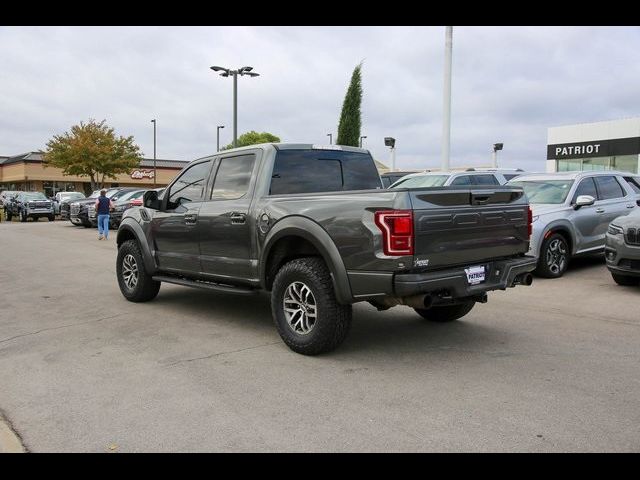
(28, 172)
(610, 145)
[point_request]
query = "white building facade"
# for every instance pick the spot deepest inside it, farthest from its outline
(610, 145)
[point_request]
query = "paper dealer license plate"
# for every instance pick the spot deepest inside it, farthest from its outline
(475, 275)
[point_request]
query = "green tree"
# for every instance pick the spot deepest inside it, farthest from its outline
(92, 150)
(350, 118)
(253, 138)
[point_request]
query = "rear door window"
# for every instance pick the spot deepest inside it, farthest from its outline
(233, 177)
(608, 188)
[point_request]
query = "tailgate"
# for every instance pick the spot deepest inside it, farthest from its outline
(461, 226)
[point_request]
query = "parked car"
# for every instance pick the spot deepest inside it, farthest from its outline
(571, 213)
(444, 179)
(390, 178)
(5, 198)
(622, 249)
(65, 197)
(125, 202)
(115, 196)
(32, 205)
(313, 226)
(507, 173)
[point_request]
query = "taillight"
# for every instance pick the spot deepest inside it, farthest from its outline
(530, 222)
(136, 203)
(397, 231)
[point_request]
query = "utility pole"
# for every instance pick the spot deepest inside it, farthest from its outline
(154, 152)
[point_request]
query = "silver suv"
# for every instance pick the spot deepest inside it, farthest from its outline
(571, 213)
(622, 250)
(464, 178)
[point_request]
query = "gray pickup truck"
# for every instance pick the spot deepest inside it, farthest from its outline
(314, 226)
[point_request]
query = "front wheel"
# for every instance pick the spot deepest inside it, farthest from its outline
(446, 313)
(554, 257)
(305, 310)
(625, 280)
(51, 217)
(135, 283)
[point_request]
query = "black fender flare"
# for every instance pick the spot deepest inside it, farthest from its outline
(316, 235)
(130, 226)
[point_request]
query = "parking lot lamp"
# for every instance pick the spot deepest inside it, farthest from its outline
(218, 137)
(234, 73)
(494, 157)
(330, 138)
(364, 136)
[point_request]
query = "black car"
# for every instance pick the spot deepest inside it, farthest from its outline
(124, 203)
(79, 210)
(27, 205)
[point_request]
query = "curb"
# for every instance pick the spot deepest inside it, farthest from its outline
(9, 441)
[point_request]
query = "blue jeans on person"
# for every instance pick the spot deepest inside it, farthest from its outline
(103, 225)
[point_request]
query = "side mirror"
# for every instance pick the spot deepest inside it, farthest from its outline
(150, 200)
(584, 201)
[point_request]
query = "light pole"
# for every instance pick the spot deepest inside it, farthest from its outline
(494, 156)
(218, 137)
(154, 152)
(330, 135)
(234, 73)
(364, 136)
(391, 142)
(446, 93)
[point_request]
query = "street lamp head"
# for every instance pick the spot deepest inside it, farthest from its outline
(390, 142)
(251, 74)
(215, 68)
(220, 126)
(497, 146)
(245, 69)
(153, 121)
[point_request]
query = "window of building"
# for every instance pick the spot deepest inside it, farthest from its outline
(233, 177)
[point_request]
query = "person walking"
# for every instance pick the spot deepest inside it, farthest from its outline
(103, 207)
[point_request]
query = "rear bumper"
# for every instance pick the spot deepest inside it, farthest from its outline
(499, 275)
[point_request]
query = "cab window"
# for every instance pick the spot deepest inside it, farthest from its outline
(188, 188)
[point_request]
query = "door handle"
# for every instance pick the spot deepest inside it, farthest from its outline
(599, 210)
(191, 218)
(238, 218)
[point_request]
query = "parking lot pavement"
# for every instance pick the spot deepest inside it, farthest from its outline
(552, 367)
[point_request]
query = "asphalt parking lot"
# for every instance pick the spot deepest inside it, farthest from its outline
(551, 367)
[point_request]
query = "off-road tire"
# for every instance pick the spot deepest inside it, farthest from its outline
(446, 313)
(625, 280)
(332, 321)
(145, 288)
(544, 268)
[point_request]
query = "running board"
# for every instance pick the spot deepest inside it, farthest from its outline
(206, 285)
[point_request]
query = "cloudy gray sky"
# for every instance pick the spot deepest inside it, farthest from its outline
(509, 85)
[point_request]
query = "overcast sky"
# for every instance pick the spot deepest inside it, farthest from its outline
(509, 85)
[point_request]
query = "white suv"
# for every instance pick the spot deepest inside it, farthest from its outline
(444, 179)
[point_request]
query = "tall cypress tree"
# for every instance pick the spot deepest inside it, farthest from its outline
(350, 122)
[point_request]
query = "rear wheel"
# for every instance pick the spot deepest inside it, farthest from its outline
(305, 309)
(554, 257)
(135, 283)
(446, 313)
(625, 280)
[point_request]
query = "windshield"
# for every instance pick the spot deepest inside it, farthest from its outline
(71, 195)
(34, 196)
(545, 191)
(422, 181)
(95, 194)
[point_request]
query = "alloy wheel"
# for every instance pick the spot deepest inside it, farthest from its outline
(130, 271)
(300, 309)
(557, 256)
